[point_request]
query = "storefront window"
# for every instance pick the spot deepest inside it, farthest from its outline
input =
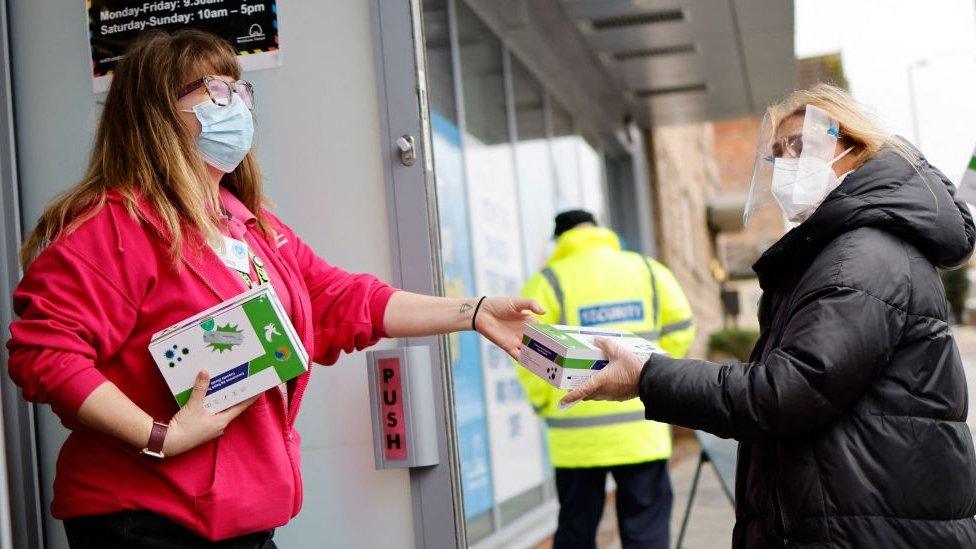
(458, 265)
(565, 160)
(592, 182)
(537, 192)
(506, 159)
(493, 202)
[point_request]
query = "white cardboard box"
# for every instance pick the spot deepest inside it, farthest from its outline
(565, 356)
(246, 343)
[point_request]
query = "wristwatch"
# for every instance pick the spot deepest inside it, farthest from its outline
(154, 448)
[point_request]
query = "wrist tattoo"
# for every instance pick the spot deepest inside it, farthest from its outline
(465, 307)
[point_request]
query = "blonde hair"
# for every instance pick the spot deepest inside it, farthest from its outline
(858, 127)
(143, 149)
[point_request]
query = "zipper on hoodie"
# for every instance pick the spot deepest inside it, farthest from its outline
(299, 391)
(203, 279)
(291, 406)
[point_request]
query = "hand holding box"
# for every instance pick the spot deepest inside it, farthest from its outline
(247, 344)
(565, 356)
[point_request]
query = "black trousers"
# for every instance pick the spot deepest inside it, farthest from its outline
(644, 501)
(145, 530)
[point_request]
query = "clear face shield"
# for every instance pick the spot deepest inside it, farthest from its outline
(792, 170)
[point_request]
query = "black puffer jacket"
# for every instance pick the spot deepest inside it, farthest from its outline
(852, 413)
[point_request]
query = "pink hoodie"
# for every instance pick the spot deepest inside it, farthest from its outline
(88, 306)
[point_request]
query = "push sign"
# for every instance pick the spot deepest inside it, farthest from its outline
(394, 436)
(402, 408)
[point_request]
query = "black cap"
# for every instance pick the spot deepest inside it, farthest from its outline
(571, 218)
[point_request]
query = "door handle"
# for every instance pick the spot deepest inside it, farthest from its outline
(406, 147)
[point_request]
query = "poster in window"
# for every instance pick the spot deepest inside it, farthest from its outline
(250, 26)
(514, 434)
(457, 259)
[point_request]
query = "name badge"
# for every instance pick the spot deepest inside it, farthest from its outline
(234, 254)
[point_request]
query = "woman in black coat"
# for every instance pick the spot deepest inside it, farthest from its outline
(851, 413)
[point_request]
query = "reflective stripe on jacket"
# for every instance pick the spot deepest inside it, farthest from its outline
(590, 281)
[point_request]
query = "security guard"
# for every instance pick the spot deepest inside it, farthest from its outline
(590, 281)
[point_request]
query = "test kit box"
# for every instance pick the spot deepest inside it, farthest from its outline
(247, 344)
(565, 356)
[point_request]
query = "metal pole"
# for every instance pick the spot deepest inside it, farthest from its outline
(912, 104)
(691, 497)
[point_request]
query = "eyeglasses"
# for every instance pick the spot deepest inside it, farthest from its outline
(790, 146)
(222, 92)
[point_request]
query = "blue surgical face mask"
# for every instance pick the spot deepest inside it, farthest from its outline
(226, 133)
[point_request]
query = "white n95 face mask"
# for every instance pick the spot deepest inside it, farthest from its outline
(800, 184)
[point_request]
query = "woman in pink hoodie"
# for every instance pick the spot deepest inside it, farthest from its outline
(129, 251)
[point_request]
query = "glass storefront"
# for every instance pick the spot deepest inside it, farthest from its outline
(507, 158)
(537, 186)
(458, 265)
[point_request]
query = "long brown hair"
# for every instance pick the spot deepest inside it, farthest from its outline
(143, 149)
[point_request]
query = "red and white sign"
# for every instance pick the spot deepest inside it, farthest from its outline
(390, 387)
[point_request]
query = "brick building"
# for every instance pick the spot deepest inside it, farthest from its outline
(702, 174)
(735, 151)
(686, 178)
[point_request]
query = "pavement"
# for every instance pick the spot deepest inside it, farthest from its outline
(712, 517)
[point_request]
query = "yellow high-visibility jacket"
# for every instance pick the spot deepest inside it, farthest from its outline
(590, 281)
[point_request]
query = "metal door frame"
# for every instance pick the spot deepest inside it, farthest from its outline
(20, 497)
(401, 73)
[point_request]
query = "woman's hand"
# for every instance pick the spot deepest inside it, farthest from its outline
(618, 380)
(500, 319)
(193, 424)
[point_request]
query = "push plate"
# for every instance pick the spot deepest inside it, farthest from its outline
(402, 408)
